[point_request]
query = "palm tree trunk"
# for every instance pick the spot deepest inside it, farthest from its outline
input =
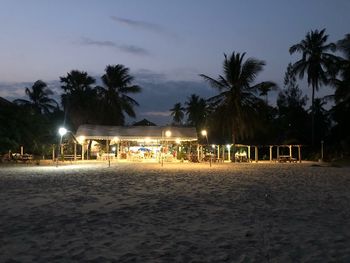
(233, 135)
(313, 116)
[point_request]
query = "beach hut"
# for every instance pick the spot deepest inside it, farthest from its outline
(126, 139)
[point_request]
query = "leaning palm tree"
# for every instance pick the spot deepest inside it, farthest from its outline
(315, 62)
(238, 98)
(177, 112)
(118, 83)
(79, 99)
(39, 98)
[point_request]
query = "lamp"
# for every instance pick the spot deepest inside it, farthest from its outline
(205, 134)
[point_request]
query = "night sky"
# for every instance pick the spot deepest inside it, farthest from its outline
(166, 44)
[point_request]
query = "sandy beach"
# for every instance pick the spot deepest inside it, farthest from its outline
(135, 212)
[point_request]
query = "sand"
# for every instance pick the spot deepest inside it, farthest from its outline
(135, 212)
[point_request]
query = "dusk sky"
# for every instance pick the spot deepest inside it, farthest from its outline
(166, 44)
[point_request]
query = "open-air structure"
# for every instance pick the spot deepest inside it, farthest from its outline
(133, 141)
(154, 142)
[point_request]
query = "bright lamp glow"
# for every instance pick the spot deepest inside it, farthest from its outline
(177, 141)
(204, 133)
(168, 133)
(62, 131)
(81, 139)
(228, 146)
(213, 146)
(114, 148)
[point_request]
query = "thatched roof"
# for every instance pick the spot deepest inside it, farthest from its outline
(144, 122)
(100, 132)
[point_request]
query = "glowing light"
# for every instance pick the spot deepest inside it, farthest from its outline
(81, 139)
(204, 133)
(168, 133)
(62, 131)
(213, 146)
(114, 148)
(177, 141)
(228, 146)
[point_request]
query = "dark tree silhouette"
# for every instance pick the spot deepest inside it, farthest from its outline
(118, 83)
(265, 87)
(177, 112)
(292, 117)
(79, 99)
(197, 111)
(39, 98)
(316, 62)
(238, 96)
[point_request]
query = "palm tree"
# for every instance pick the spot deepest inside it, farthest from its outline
(342, 93)
(197, 111)
(39, 98)
(79, 99)
(115, 102)
(237, 97)
(178, 113)
(265, 88)
(341, 110)
(315, 62)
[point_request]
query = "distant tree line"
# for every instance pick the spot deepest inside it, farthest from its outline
(33, 123)
(239, 113)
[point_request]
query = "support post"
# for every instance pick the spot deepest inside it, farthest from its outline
(229, 153)
(198, 157)
(53, 152)
(62, 157)
(75, 151)
(278, 153)
(223, 153)
(82, 151)
(249, 153)
(271, 153)
(256, 154)
(290, 151)
(218, 153)
(299, 154)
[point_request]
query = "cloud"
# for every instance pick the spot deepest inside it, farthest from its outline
(143, 25)
(110, 44)
(156, 113)
(138, 24)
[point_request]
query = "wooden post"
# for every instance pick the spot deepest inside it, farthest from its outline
(82, 151)
(299, 154)
(75, 151)
(218, 153)
(278, 153)
(271, 153)
(53, 152)
(290, 151)
(249, 153)
(198, 157)
(21, 150)
(223, 153)
(229, 153)
(256, 154)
